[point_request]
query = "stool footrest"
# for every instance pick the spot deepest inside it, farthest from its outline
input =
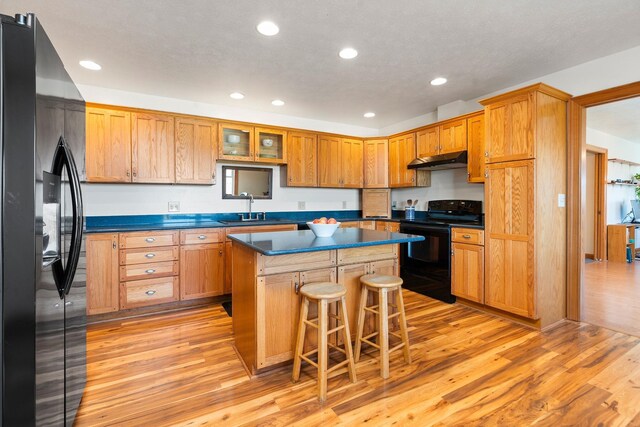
(313, 323)
(309, 353)
(371, 343)
(391, 316)
(309, 361)
(339, 365)
(399, 346)
(372, 308)
(341, 350)
(336, 329)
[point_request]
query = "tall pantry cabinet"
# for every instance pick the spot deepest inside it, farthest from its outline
(525, 215)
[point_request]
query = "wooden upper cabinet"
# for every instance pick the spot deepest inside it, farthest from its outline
(428, 142)
(271, 145)
(453, 136)
(302, 159)
(376, 163)
(475, 150)
(351, 163)
(153, 150)
(329, 156)
(235, 142)
(108, 145)
(102, 273)
(195, 143)
(402, 150)
(509, 129)
(509, 237)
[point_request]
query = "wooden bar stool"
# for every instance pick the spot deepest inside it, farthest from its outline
(324, 293)
(382, 285)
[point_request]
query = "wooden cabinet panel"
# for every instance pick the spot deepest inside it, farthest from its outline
(475, 149)
(148, 239)
(472, 236)
(349, 276)
(271, 145)
(509, 129)
(102, 273)
(467, 272)
(199, 236)
(144, 255)
(302, 160)
(368, 225)
(351, 163)
(376, 163)
(376, 203)
(201, 270)
(195, 143)
(140, 293)
(402, 150)
(329, 157)
(388, 226)
(228, 266)
(108, 145)
(428, 142)
(509, 238)
(453, 136)
(153, 149)
(277, 310)
(149, 270)
(350, 224)
(385, 267)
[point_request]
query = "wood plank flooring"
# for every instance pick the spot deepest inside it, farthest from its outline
(611, 296)
(468, 368)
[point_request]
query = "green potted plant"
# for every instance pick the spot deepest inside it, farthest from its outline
(637, 179)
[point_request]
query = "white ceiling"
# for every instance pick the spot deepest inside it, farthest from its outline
(202, 50)
(621, 119)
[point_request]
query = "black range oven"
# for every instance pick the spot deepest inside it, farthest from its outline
(426, 265)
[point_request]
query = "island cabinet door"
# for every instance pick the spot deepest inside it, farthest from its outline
(277, 306)
(201, 270)
(349, 277)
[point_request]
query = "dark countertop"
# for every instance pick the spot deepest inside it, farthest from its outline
(293, 242)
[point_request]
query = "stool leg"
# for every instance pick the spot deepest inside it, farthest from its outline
(360, 324)
(383, 332)
(403, 327)
(302, 329)
(323, 320)
(347, 339)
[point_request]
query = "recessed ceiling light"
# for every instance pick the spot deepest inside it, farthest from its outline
(90, 65)
(348, 53)
(236, 95)
(267, 28)
(277, 102)
(369, 115)
(438, 81)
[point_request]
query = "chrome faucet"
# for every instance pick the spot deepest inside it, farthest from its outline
(250, 203)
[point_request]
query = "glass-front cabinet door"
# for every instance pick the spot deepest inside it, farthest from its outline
(270, 145)
(236, 142)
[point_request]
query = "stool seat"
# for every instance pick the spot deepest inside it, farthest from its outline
(381, 281)
(323, 290)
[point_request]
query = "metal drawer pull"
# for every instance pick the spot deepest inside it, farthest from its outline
(202, 237)
(150, 255)
(151, 292)
(150, 271)
(467, 236)
(150, 240)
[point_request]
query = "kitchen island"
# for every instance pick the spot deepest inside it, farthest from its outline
(270, 268)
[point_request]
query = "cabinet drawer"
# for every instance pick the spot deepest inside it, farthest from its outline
(471, 236)
(144, 256)
(139, 293)
(149, 270)
(366, 254)
(295, 262)
(199, 236)
(148, 239)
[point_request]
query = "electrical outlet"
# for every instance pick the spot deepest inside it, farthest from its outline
(344, 204)
(302, 206)
(174, 206)
(562, 200)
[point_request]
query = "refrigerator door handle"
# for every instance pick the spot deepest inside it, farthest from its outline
(64, 158)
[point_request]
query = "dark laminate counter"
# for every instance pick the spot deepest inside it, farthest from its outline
(291, 242)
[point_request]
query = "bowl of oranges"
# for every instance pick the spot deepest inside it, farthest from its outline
(323, 227)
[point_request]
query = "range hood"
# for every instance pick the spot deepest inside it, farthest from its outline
(454, 160)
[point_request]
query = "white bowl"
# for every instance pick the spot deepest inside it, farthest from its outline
(233, 139)
(323, 230)
(267, 142)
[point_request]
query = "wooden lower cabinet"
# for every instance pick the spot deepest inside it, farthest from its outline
(140, 293)
(201, 270)
(102, 273)
(228, 257)
(467, 272)
(388, 226)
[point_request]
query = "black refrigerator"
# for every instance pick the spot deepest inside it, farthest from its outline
(43, 270)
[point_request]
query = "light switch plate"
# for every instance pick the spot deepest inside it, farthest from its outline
(174, 206)
(302, 206)
(562, 200)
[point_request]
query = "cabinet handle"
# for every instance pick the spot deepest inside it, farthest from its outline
(113, 244)
(220, 252)
(296, 287)
(202, 237)
(486, 154)
(149, 240)
(150, 292)
(486, 174)
(150, 255)
(135, 174)
(150, 271)
(128, 173)
(452, 253)
(466, 236)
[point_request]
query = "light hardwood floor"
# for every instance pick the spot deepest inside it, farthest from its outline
(611, 295)
(468, 368)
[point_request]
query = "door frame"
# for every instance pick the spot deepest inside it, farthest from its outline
(576, 185)
(599, 201)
